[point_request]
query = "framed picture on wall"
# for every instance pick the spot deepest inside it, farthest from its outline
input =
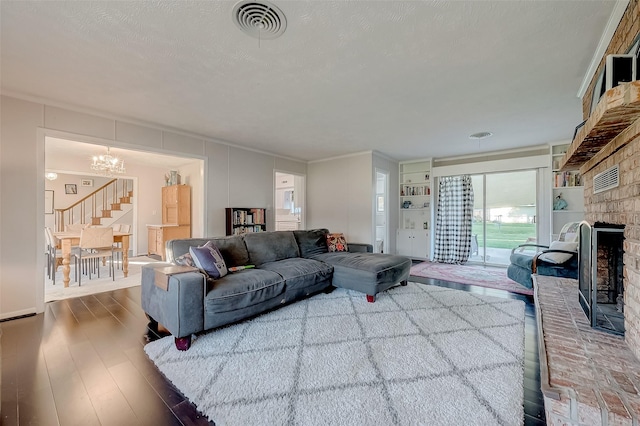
(48, 201)
(70, 188)
(86, 182)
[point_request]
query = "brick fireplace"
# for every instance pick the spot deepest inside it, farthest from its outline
(621, 206)
(617, 142)
(589, 377)
(601, 276)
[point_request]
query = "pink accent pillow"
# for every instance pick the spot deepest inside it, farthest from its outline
(336, 242)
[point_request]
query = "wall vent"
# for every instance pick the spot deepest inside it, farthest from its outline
(606, 180)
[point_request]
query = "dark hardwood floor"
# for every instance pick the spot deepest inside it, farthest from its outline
(533, 400)
(82, 363)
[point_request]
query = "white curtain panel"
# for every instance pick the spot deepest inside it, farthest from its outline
(453, 219)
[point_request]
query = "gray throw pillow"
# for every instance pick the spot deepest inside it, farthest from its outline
(209, 259)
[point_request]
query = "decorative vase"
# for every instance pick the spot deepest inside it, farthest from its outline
(173, 177)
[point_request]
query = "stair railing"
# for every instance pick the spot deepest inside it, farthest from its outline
(85, 209)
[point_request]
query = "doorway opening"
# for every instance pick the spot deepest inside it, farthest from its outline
(381, 212)
(289, 201)
(504, 215)
(70, 159)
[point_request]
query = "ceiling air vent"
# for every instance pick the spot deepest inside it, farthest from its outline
(261, 20)
(606, 180)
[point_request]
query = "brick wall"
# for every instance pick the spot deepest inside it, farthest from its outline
(621, 205)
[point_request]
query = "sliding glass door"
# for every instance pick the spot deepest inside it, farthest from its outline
(504, 215)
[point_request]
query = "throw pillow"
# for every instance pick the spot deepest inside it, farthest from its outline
(185, 260)
(336, 242)
(209, 259)
(558, 258)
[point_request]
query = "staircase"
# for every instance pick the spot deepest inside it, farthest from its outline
(102, 207)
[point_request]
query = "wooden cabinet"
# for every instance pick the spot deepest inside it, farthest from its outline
(176, 205)
(159, 235)
(413, 243)
(176, 219)
(242, 220)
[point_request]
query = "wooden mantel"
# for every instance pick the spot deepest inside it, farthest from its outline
(618, 108)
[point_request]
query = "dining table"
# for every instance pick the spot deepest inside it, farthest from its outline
(68, 239)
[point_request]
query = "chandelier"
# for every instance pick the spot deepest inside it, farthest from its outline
(107, 164)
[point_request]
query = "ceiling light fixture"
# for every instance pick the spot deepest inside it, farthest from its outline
(107, 164)
(480, 135)
(51, 175)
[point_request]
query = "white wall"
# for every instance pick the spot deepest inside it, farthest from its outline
(340, 196)
(21, 198)
(232, 175)
(253, 185)
(192, 175)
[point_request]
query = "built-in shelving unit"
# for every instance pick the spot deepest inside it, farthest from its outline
(567, 185)
(415, 209)
(242, 220)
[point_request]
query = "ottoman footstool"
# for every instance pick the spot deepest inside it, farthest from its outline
(368, 273)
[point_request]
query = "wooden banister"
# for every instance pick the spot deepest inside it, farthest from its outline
(101, 198)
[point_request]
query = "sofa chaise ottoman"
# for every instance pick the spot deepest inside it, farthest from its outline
(287, 265)
(357, 269)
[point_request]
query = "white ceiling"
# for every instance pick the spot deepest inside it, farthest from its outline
(410, 79)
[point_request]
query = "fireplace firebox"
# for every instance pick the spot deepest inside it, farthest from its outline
(600, 276)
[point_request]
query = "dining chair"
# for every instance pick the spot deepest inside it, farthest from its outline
(95, 244)
(47, 252)
(117, 247)
(54, 256)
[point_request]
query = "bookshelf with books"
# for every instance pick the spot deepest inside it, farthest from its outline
(242, 220)
(413, 236)
(567, 192)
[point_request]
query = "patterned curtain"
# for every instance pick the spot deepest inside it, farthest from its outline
(453, 219)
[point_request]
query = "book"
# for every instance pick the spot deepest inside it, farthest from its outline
(163, 275)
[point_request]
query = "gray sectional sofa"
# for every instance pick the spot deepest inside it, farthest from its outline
(289, 265)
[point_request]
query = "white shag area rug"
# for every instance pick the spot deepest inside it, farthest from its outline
(94, 285)
(419, 355)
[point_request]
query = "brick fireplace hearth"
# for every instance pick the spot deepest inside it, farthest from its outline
(589, 376)
(592, 377)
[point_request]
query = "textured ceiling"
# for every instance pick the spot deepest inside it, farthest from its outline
(409, 79)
